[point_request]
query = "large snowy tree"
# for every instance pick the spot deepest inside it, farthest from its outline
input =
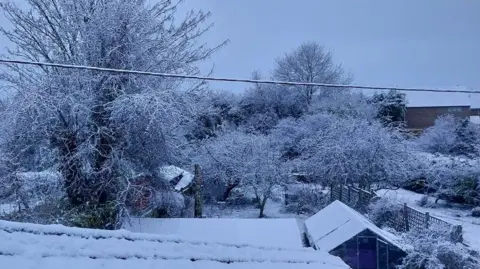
(310, 62)
(104, 128)
(334, 150)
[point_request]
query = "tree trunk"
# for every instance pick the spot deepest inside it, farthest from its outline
(198, 192)
(228, 191)
(70, 167)
(262, 203)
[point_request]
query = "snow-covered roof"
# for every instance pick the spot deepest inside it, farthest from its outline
(337, 223)
(439, 99)
(280, 233)
(24, 245)
(171, 172)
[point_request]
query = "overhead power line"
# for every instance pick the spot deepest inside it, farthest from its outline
(255, 81)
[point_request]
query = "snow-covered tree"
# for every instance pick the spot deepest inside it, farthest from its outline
(263, 170)
(344, 104)
(100, 124)
(310, 62)
(243, 160)
(347, 150)
(391, 107)
(222, 159)
(450, 135)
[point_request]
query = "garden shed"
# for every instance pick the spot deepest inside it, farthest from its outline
(343, 232)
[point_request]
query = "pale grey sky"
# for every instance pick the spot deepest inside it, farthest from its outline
(409, 43)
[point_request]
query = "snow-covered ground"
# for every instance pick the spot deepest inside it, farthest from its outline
(453, 215)
(26, 246)
(273, 209)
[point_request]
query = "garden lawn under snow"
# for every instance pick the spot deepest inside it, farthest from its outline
(273, 209)
(453, 215)
(24, 245)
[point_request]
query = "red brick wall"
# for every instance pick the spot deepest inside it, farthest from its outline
(424, 117)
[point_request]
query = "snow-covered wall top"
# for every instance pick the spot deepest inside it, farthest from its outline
(279, 233)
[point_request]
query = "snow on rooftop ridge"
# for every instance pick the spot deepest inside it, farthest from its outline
(441, 99)
(337, 223)
(253, 232)
(171, 172)
(56, 246)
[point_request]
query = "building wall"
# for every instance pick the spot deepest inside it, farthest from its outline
(475, 112)
(349, 250)
(419, 118)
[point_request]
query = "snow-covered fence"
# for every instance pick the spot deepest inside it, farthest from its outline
(406, 219)
(354, 197)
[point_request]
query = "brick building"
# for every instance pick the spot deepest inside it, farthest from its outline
(420, 118)
(423, 108)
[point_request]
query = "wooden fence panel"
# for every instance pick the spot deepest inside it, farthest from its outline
(408, 218)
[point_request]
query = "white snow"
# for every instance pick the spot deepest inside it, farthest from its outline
(170, 172)
(281, 233)
(24, 245)
(7, 208)
(475, 119)
(455, 216)
(337, 223)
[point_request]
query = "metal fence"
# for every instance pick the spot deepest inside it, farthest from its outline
(406, 219)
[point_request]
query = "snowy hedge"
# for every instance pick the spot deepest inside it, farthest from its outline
(432, 248)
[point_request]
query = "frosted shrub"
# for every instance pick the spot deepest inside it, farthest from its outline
(168, 204)
(432, 248)
(425, 201)
(383, 210)
(476, 212)
(305, 199)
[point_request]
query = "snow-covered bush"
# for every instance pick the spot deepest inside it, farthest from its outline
(432, 248)
(167, 204)
(426, 201)
(476, 212)
(305, 199)
(27, 189)
(385, 211)
(348, 150)
(450, 135)
(455, 179)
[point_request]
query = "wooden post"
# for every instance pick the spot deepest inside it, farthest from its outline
(331, 193)
(457, 234)
(341, 195)
(349, 195)
(427, 219)
(405, 217)
(360, 200)
(198, 182)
